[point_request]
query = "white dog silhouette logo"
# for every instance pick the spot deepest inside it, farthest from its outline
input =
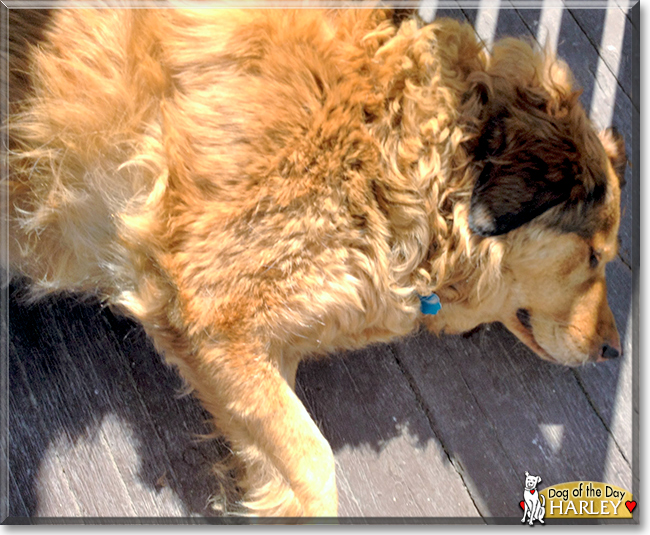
(534, 508)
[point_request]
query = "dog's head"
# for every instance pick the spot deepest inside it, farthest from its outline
(548, 188)
(532, 481)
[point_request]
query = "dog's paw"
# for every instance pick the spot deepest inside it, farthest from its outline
(276, 504)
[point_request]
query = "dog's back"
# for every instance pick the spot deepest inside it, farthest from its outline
(85, 108)
(150, 132)
(116, 108)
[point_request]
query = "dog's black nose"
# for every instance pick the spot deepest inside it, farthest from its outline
(609, 352)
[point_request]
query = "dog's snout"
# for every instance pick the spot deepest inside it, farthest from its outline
(608, 352)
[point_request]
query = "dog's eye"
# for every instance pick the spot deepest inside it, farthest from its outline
(594, 259)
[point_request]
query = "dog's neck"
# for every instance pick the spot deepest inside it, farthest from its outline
(429, 172)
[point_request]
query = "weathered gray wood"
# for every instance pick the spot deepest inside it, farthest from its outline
(500, 412)
(389, 461)
(18, 507)
(109, 411)
(28, 441)
(89, 471)
(456, 14)
(592, 24)
(184, 463)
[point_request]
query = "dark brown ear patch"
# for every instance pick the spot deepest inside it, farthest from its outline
(523, 175)
(508, 195)
(533, 155)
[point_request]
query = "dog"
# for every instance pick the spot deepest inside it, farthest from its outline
(258, 187)
(533, 505)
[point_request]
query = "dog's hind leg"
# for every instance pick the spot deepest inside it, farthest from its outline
(289, 464)
(541, 511)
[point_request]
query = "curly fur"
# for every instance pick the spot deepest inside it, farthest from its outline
(256, 187)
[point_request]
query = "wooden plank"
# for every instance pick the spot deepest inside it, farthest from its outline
(97, 422)
(27, 443)
(92, 479)
(86, 468)
(592, 24)
(429, 10)
(121, 493)
(389, 461)
(177, 458)
(458, 419)
(16, 507)
(85, 452)
(510, 24)
(626, 7)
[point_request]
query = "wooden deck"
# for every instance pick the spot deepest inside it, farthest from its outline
(423, 430)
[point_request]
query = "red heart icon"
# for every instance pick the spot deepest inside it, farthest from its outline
(532, 491)
(630, 506)
(521, 504)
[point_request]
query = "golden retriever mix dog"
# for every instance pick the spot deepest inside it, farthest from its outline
(257, 187)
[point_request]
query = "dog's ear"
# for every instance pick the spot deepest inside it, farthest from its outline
(539, 480)
(515, 188)
(614, 145)
(528, 166)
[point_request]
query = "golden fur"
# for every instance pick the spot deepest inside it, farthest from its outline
(257, 187)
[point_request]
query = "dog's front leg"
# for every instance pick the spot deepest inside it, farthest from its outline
(289, 464)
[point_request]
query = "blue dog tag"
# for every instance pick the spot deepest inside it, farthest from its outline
(430, 304)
